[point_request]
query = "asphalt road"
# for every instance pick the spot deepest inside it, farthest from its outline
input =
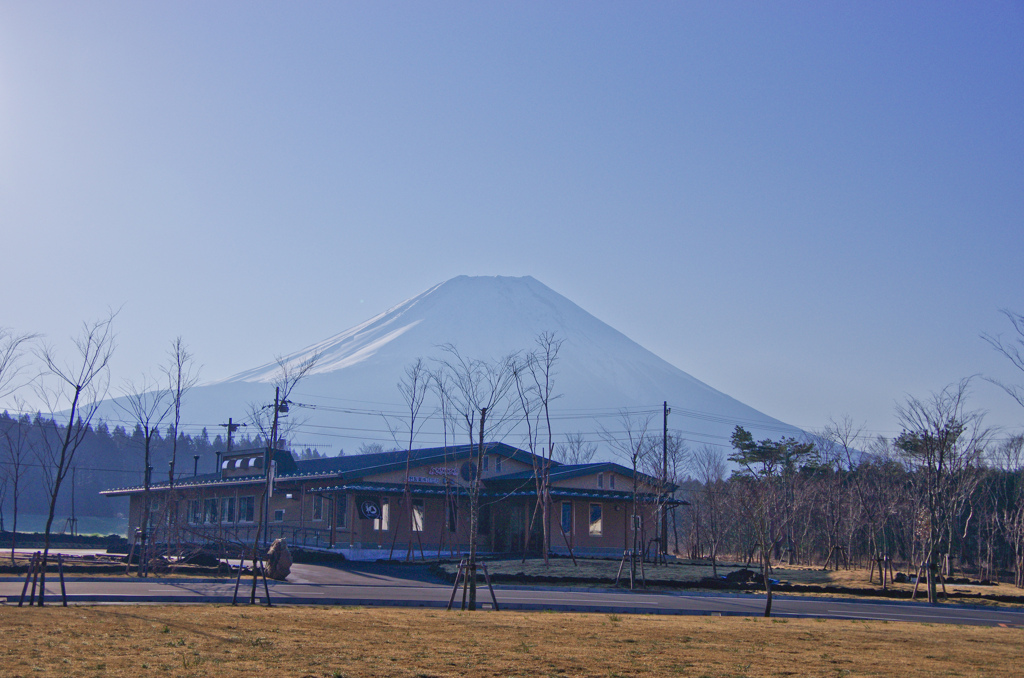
(405, 587)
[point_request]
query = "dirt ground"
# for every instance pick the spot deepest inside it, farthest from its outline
(208, 640)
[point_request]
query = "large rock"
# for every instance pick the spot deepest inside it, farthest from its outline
(279, 560)
(741, 576)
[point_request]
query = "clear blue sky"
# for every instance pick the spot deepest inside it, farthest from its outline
(815, 207)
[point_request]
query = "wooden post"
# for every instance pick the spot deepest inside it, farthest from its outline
(487, 578)
(42, 580)
(29, 577)
(917, 581)
(266, 586)
(60, 571)
(238, 580)
(622, 563)
(455, 588)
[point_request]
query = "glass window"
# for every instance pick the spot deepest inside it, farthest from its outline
(600, 480)
(487, 461)
(227, 510)
(383, 523)
(611, 480)
(195, 511)
(210, 511)
(567, 517)
(417, 515)
(595, 520)
(484, 519)
(247, 509)
(154, 514)
(341, 502)
(279, 516)
(497, 464)
(453, 515)
(318, 507)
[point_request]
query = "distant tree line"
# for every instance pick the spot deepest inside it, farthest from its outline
(107, 458)
(943, 498)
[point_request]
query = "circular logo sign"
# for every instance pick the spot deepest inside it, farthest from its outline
(370, 509)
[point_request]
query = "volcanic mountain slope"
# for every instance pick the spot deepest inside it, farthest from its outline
(353, 387)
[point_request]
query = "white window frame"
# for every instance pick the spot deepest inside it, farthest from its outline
(341, 508)
(247, 507)
(383, 524)
(596, 526)
(227, 510)
(210, 516)
(419, 512)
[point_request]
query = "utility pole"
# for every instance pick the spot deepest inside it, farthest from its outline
(280, 407)
(664, 479)
(231, 426)
(145, 521)
(474, 525)
(269, 458)
(74, 519)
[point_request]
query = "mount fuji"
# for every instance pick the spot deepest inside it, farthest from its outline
(353, 390)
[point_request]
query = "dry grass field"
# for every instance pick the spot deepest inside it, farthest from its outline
(194, 641)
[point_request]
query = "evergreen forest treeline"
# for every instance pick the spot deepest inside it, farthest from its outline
(108, 458)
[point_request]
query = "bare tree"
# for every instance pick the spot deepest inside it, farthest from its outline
(12, 353)
(72, 391)
(666, 453)
(477, 397)
(413, 387)
(1013, 349)
(575, 450)
(440, 385)
(1009, 459)
(534, 374)
(147, 404)
(838, 454)
(182, 374)
(267, 419)
(630, 443)
(16, 433)
(943, 443)
(709, 465)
